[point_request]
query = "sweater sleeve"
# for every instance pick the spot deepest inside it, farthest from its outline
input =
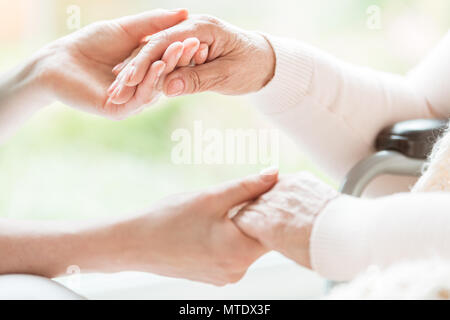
(352, 234)
(334, 110)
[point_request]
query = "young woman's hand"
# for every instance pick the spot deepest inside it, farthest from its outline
(77, 69)
(185, 236)
(190, 235)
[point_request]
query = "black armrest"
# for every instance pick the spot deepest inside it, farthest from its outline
(413, 138)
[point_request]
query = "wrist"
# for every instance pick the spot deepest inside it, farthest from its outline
(36, 77)
(96, 247)
(269, 60)
(123, 244)
(23, 91)
(24, 87)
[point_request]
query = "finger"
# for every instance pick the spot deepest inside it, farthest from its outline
(189, 80)
(122, 94)
(201, 55)
(113, 111)
(146, 91)
(159, 42)
(191, 46)
(150, 22)
(136, 70)
(172, 56)
(118, 68)
(247, 189)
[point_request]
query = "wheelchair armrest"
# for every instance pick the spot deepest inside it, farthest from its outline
(412, 138)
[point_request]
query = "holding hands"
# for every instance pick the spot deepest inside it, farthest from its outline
(187, 236)
(283, 218)
(210, 55)
(192, 236)
(132, 72)
(115, 68)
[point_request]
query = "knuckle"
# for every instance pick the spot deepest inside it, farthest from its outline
(146, 50)
(210, 19)
(196, 82)
(162, 35)
(277, 224)
(246, 187)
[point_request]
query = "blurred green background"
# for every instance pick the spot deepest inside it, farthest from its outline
(68, 165)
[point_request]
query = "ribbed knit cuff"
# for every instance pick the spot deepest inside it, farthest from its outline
(339, 246)
(292, 79)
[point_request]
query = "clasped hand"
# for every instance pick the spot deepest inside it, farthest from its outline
(191, 235)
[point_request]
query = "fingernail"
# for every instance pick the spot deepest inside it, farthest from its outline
(116, 68)
(158, 75)
(269, 174)
(175, 88)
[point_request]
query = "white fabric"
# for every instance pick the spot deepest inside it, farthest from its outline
(334, 111)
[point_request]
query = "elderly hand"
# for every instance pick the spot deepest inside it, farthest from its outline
(77, 68)
(186, 236)
(283, 218)
(191, 236)
(238, 61)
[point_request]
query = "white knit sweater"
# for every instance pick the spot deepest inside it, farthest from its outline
(334, 111)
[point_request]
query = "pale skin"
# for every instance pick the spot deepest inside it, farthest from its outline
(88, 56)
(204, 54)
(187, 236)
(239, 62)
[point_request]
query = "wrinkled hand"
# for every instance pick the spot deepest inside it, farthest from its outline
(238, 61)
(283, 218)
(77, 69)
(190, 235)
(178, 54)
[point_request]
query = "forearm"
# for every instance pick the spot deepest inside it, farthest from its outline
(22, 92)
(49, 248)
(332, 109)
(351, 234)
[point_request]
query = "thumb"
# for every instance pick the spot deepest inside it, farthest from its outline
(189, 80)
(247, 189)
